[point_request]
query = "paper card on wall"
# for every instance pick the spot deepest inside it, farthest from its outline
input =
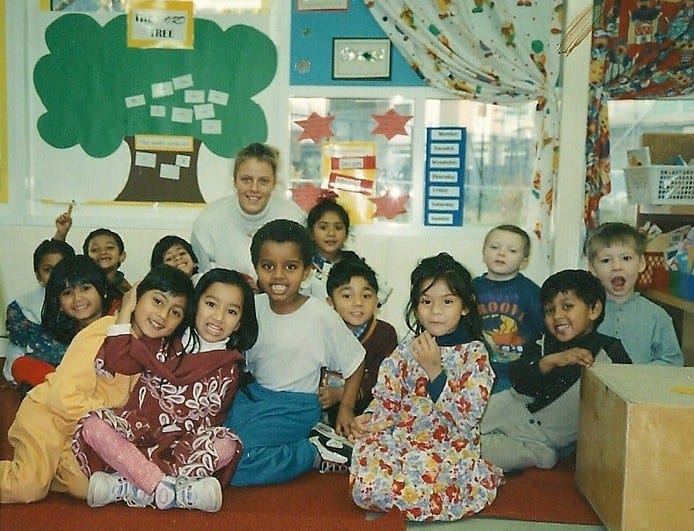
(157, 111)
(204, 111)
(163, 89)
(194, 96)
(135, 101)
(218, 97)
(212, 127)
(183, 161)
(182, 115)
(182, 82)
(146, 160)
(170, 171)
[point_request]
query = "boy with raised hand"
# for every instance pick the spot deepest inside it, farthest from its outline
(615, 253)
(353, 292)
(297, 336)
(536, 421)
(508, 301)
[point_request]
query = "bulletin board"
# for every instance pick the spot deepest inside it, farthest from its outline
(4, 183)
(120, 126)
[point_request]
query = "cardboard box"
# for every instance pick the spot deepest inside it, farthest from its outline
(635, 454)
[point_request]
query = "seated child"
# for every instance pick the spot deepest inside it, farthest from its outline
(417, 444)
(328, 226)
(165, 447)
(615, 253)
(23, 318)
(297, 336)
(177, 252)
(107, 249)
(42, 431)
(509, 302)
(77, 294)
(352, 288)
(537, 420)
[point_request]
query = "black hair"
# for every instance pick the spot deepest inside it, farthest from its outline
(166, 243)
(169, 279)
(515, 230)
(282, 231)
(71, 272)
(247, 333)
(345, 270)
(583, 284)
(323, 206)
(608, 234)
(459, 280)
(103, 232)
(47, 247)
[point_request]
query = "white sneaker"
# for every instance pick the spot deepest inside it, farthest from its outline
(204, 494)
(109, 488)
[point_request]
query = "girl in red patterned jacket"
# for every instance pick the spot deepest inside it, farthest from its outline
(167, 442)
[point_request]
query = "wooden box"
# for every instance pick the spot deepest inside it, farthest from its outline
(635, 454)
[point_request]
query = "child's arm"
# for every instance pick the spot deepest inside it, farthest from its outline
(345, 414)
(428, 354)
(63, 223)
(573, 356)
(31, 336)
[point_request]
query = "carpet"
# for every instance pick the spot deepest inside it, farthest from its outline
(539, 495)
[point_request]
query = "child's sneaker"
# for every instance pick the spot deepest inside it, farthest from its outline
(204, 494)
(336, 449)
(327, 467)
(109, 488)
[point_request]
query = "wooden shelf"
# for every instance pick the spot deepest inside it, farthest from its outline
(670, 300)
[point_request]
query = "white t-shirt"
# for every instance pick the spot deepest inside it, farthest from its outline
(292, 348)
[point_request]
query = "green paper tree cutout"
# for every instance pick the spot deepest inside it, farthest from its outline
(84, 80)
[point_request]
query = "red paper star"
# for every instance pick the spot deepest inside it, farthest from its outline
(306, 196)
(315, 127)
(389, 206)
(390, 124)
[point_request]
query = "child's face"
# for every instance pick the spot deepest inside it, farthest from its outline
(178, 257)
(254, 181)
(439, 309)
(219, 312)
(281, 271)
(329, 234)
(157, 314)
(82, 303)
(103, 249)
(504, 255)
(354, 302)
(46, 265)
(568, 317)
(618, 267)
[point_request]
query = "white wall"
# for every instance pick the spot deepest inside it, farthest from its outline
(393, 253)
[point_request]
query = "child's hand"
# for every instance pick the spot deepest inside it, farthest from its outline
(427, 353)
(127, 305)
(573, 356)
(329, 396)
(360, 427)
(345, 422)
(63, 224)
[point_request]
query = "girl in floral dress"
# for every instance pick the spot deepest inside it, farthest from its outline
(418, 444)
(167, 442)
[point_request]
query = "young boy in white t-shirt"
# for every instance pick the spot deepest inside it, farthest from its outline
(297, 335)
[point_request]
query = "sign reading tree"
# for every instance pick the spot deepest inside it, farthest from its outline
(162, 103)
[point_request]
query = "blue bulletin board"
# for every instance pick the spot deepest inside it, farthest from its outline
(444, 176)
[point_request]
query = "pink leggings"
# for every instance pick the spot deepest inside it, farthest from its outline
(125, 458)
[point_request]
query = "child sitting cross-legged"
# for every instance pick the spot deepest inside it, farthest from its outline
(536, 421)
(297, 335)
(417, 444)
(352, 292)
(163, 447)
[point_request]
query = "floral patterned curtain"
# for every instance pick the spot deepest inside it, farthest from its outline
(639, 49)
(493, 51)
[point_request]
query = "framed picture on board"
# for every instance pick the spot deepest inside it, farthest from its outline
(322, 5)
(361, 58)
